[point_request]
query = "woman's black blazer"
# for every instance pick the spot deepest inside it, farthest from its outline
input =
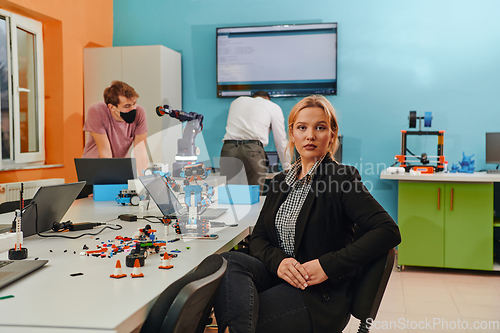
(324, 230)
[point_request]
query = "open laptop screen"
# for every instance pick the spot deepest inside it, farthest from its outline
(52, 202)
(161, 195)
(105, 170)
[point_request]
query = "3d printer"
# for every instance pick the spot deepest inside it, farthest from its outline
(421, 163)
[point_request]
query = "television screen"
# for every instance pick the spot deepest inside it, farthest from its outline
(284, 60)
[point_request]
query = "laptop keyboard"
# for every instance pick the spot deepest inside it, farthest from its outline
(5, 263)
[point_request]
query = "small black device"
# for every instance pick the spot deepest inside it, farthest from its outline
(138, 253)
(128, 217)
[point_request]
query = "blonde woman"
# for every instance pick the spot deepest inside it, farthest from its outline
(303, 257)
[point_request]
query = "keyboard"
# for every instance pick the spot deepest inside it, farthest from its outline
(5, 263)
(13, 270)
(493, 171)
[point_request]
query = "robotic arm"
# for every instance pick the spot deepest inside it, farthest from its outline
(185, 166)
(186, 148)
(178, 114)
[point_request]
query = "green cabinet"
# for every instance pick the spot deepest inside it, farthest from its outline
(446, 225)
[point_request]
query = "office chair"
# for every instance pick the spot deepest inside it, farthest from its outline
(185, 305)
(370, 287)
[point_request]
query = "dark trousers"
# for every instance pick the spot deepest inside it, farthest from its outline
(243, 163)
(250, 299)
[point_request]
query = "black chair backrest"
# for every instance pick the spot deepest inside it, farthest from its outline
(370, 285)
(185, 305)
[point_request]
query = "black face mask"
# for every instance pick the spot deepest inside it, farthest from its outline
(129, 117)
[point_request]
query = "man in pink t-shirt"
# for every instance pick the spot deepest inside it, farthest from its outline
(115, 124)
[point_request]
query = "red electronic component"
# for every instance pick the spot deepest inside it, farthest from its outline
(424, 169)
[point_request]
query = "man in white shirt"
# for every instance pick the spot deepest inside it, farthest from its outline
(249, 123)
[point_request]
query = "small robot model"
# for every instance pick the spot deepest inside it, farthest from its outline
(128, 197)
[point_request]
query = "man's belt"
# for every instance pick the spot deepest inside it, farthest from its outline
(242, 142)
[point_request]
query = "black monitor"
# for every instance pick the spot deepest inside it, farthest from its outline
(492, 148)
(105, 170)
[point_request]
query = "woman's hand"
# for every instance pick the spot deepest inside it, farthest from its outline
(315, 272)
(292, 272)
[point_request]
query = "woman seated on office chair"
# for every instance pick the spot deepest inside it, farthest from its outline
(303, 258)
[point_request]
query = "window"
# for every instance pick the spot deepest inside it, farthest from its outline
(21, 89)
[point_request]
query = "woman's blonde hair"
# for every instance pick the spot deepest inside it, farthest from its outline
(311, 102)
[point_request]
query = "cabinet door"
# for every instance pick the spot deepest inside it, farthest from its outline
(469, 226)
(421, 222)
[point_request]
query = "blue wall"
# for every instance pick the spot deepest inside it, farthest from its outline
(393, 56)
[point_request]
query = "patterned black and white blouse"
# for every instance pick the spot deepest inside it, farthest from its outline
(287, 214)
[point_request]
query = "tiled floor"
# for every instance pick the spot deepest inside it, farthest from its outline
(438, 300)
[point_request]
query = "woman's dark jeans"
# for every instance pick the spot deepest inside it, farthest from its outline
(251, 299)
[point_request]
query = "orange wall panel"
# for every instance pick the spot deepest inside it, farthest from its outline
(68, 27)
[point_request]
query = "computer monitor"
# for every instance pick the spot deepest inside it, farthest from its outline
(277, 59)
(274, 163)
(492, 148)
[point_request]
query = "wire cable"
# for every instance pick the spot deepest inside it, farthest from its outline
(119, 227)
(148, 217)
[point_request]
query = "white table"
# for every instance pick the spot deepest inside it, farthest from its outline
(51, 300)
(476, 177)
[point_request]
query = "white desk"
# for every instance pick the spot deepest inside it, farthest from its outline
(476, 177)
(51, 300)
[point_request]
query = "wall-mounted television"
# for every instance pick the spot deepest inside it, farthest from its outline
(284, 60)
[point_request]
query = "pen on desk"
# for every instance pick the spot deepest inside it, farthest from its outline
(8, 296)
(174, 240)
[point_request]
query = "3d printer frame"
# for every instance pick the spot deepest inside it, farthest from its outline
(404, 161)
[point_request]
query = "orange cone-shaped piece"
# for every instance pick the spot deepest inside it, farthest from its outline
(165, 262)
(118, 271)
(137, 269)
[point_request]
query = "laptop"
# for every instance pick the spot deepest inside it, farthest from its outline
(168, 203)
(13, 270)
(52, 202)
(105, 170)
